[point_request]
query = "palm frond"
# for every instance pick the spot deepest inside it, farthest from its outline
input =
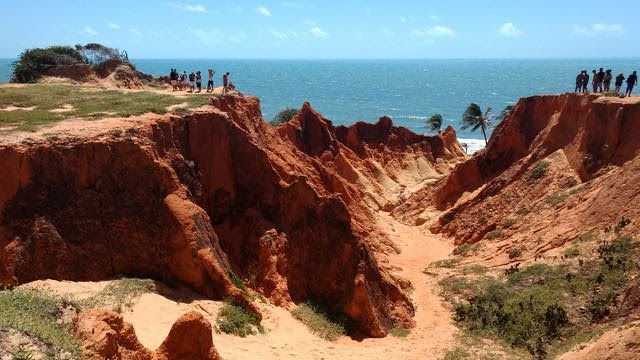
(434, 123)
(505, 112)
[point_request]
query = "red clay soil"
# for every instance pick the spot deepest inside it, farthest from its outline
(187, 200)
(589, 145)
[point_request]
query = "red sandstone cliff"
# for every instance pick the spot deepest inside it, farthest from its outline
(556, 168)
(189, 199)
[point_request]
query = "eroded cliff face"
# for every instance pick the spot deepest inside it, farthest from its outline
(187, 200)
(558, 167)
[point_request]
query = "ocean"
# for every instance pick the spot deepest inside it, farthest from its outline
(408, 91)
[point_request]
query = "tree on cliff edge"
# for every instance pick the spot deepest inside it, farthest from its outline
(474, 118)
(434, 123)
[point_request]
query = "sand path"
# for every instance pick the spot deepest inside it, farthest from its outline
(287, 338)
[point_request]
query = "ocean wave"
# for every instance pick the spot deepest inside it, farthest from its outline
(472, 145)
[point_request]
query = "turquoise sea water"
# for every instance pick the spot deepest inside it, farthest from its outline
(408, 91)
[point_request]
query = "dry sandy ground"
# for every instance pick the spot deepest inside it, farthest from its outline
(286, 338)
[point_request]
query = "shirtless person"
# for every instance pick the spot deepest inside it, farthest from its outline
(210, 82)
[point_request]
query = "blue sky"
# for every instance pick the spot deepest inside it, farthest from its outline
(329, 29)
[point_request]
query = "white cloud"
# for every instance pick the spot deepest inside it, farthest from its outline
(263, 11)
(434, 17)
(278, 34)
(597, 29)
(319, 33)
(90, 31)
(189, 7)
(114, 26)
(135, 32)
(509, 30)
(434, 31)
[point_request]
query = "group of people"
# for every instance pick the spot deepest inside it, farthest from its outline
(193, 81)
(601, 82)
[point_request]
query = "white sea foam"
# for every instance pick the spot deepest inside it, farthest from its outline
(472, 145)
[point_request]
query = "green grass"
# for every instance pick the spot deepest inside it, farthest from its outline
(399, 332)
(473, 269)
(322, 320)
(235, 320)
(445, 263)
(539, 169)
(119, 294)
(467, 249)
(36, 315)
(556, 198)
(88, 103)
(494, 234)
(21, 353)
(540, 306)
(507, 223)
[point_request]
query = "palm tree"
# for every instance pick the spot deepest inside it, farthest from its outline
(505, 112)
(434, 123)
(474, 118)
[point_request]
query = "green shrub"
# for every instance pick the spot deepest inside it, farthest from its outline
(494, 234)
(235, 320)
(445, 263)
(509, 223)
(322, 319)
(466, 249)
(539, 169)
(235, 279)
(531, 307)
(37, 315)
(399, 332)
(119, 294)
(556, 198)
(33, 63)
(21, 353)
(516, 251)
(284, 115)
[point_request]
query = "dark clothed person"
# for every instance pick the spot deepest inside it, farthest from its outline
(632, 81)
(619, 80)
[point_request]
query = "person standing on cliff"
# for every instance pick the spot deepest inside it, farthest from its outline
(192, 80)
(198, 81)
(173, 76)
(632, 81)
(607, 80)
(594, 82)
(585, 81)
(210, 81)
(600, 79)
(225, 82)
(619, 80)
(579, 79)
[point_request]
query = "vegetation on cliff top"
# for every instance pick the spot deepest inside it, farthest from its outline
(49, 103)
(283, 116)
(33, 63)
(541, 307)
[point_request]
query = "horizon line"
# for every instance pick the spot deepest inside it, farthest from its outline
(382, 58)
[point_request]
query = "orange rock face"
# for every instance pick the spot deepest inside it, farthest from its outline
(188, 200)
(558, 167)
(105, 335)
